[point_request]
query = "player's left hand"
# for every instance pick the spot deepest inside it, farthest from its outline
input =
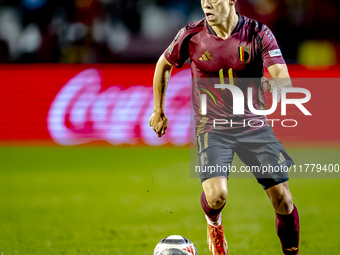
(268, 85)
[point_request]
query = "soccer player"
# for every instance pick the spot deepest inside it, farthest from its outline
(227, 44)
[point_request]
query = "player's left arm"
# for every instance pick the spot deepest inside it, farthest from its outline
(279, 72)
(275, 63)
(281, 79)
(280, 75)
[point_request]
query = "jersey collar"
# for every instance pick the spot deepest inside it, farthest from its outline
(236, 29)
(239, 23)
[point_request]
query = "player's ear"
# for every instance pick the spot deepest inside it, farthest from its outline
(232, 2)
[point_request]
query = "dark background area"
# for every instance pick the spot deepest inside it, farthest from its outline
(138, 31)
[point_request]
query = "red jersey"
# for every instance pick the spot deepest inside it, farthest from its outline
(238, 60)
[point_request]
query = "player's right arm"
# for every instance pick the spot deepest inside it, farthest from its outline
(158, 120)
(175, 55)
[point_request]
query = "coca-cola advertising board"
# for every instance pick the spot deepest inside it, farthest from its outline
(111, 104)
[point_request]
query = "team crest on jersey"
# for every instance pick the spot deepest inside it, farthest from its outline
(243, 53)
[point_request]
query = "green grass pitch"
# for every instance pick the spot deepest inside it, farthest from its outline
(123, 200)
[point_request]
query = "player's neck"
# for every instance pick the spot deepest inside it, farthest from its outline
(225, 29)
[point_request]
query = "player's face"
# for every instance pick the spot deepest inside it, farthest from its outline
(216, 11)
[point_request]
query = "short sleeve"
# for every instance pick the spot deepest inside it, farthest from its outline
(178, 51)
(271, 53)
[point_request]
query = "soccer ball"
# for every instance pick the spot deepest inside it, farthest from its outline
(175, 245)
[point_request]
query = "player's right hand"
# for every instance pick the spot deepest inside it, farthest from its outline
(159, 122)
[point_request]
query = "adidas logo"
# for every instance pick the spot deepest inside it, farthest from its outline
(206, 56)
(189, 249)
(281, 159)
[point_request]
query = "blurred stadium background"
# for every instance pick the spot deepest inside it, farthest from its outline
(80, 170)
(116, 31)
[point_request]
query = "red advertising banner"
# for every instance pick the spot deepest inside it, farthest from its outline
(87, 104)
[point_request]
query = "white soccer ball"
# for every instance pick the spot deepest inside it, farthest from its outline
(175, 245)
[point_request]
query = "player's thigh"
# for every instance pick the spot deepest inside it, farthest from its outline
(269, 162)
(215, 155)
